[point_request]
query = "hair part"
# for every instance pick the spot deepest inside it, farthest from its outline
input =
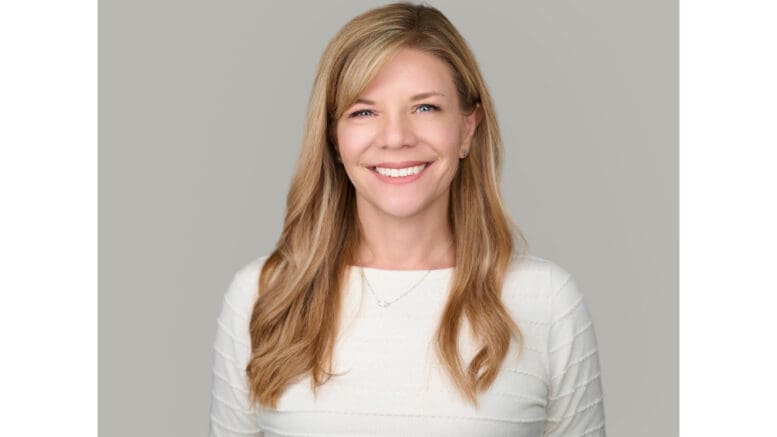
(296, 317)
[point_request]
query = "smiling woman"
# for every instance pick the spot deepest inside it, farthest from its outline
(393, 129)
(396, 301)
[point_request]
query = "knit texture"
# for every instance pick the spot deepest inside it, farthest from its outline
(393, 384)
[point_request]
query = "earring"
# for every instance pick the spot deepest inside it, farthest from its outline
(464, 154)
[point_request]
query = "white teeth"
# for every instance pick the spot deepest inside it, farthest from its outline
(399, 172)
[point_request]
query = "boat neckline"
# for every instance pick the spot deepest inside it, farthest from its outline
(379, 269)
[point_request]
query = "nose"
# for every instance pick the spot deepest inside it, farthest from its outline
(397, 132)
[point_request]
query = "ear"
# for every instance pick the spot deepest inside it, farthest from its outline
(471, 122)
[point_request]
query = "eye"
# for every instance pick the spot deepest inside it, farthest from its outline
(358, 113)
(427, 105)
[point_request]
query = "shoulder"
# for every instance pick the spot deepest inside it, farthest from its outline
(243, 289)
(541, 290)
(250, 271)
(535, 276)
(536, 290)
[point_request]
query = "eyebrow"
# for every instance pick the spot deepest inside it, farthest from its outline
(412, 99)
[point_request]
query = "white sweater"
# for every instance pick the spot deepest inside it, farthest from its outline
(393, 383)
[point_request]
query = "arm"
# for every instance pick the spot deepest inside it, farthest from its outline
(230, 414)
(575, 401)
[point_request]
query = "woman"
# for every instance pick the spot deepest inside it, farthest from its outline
(395, 302)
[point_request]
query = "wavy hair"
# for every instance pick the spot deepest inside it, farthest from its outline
(295, 320)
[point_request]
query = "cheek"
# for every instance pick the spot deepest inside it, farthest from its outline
(443, 136)
(353, 141)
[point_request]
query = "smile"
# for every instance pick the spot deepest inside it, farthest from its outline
(399, 172)
(400, 175)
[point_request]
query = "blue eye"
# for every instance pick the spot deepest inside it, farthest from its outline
(356, 114)
(366, 112)
(427, 105)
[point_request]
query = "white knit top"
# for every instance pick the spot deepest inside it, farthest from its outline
(392, 383)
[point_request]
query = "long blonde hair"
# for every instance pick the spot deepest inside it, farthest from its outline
(295, 320)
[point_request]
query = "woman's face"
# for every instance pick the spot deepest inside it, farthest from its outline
(400, 142)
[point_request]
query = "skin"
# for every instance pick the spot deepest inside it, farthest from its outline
(406, 226)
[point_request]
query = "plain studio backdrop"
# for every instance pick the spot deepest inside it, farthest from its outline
(201, 111)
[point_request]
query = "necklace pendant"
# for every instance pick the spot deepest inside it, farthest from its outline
(383, 303)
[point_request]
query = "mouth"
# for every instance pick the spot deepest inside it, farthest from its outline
(400, 173)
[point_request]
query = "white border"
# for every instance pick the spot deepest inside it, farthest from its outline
(728, 189)
(48, 224)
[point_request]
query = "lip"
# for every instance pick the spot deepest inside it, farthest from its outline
(401, 180)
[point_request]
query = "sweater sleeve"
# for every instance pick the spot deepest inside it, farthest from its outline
(575, 401)
(230, 413)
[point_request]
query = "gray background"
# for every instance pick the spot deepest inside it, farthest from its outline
(201, 113)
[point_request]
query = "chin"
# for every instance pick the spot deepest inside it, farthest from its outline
(402, 212)
(400, 209)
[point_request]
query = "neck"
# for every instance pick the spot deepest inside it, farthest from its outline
(409, 243)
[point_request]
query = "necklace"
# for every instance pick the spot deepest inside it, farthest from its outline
(385, 303)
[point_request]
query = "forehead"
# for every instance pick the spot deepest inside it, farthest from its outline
(411, 71)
